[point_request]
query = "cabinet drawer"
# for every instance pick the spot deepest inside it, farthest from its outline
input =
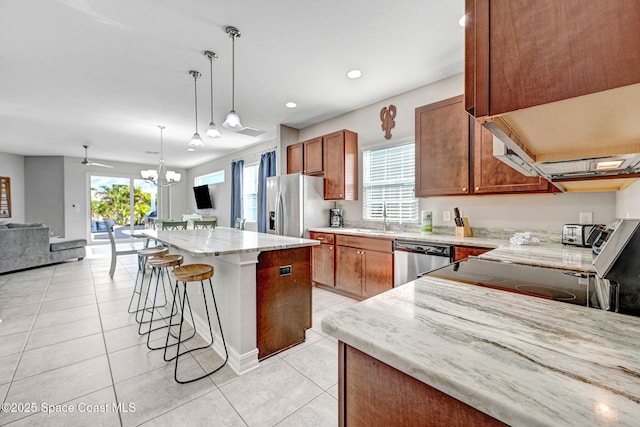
(369, 243)
(323, 237)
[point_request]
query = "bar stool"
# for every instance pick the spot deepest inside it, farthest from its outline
(185, 274)
(143, 255)
(160, 268)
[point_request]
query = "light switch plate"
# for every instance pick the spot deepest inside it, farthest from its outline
(446, 216)
(586, 217)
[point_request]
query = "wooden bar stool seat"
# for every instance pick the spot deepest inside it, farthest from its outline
(184, 275)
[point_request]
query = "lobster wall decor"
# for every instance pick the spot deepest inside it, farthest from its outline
(387, 115)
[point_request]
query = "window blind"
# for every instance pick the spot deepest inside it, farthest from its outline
(389, 179)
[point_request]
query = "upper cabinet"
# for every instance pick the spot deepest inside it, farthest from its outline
(341, 165)
(334, 156)
(306, 157)
(555, 80)
(442, 149)
(313, 159)
(454, 156)
(295, 158)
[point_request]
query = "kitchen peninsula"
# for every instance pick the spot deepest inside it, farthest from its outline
(447, 353)
(262, 284)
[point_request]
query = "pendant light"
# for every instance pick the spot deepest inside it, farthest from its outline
(233, 120)
(213, 131)
(196, 141)
(161, 176)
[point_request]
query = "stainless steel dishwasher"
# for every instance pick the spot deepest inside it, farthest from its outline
(414, 258)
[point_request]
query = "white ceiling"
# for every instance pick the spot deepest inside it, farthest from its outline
(106, 73)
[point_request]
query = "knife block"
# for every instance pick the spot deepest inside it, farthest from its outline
(465, 230)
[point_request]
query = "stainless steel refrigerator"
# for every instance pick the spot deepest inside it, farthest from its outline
(296, 202)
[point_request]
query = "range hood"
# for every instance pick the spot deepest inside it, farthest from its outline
(596, 167)
(586, 143)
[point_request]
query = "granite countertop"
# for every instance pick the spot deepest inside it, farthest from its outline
(553, 255)
(225, 241)
(545, 255)
(523, 360)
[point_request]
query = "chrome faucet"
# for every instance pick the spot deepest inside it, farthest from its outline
(384, 215)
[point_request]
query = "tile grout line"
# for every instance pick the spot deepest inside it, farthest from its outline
(6, 394)
(106, 350)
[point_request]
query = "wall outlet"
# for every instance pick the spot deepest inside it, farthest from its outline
(446, 216)
(586, 217)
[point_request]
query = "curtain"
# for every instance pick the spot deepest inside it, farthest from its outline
(236, 190)
(267, 168)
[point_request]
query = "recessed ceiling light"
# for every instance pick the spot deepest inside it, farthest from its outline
(354, 74)
(462, 20)
(291, 104)
(191, 149)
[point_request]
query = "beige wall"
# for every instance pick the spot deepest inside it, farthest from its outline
(628, 201)
(519, 212)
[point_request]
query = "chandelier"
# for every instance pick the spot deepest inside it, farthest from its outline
(161, 176)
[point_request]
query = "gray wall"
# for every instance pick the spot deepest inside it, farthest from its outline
(12, 166)
(44, 185)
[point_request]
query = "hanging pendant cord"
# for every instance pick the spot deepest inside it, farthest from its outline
(195, 97)
(233, 72)
(211, 74)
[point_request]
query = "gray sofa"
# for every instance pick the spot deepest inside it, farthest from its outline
(28, 245)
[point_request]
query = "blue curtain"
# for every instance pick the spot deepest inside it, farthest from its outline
(267, 168)
(236, 190)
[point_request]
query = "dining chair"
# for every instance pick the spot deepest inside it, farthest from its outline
(201, 223)
(114, 251)
(174, 225)
(240, 223)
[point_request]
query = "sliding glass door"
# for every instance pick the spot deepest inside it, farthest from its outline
(124, 203)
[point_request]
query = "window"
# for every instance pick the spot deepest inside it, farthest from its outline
(250, 192)
(210, 178)
(389, 179)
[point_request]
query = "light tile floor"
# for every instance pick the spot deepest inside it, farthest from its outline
(67, 343)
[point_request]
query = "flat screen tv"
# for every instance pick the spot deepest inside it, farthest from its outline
(203, 198)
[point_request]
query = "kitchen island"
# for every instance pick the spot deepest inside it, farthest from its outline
(436, 351)
(262, 284)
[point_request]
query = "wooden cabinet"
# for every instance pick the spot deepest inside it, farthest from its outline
(462, 252)
(341, 165)
(519, 55)
(334, 156)
(454, 156)
(313, 159)
(295, 158)
(491, 175)
(442, 149)
(323, 259)
(364, 266)
(372, 393)
(283, 299)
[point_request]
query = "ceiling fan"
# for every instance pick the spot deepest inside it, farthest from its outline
(88, 162)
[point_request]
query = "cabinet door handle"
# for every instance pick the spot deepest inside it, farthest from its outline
(320, 238)
(330, 248)
(477, 188)
(464, 188)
